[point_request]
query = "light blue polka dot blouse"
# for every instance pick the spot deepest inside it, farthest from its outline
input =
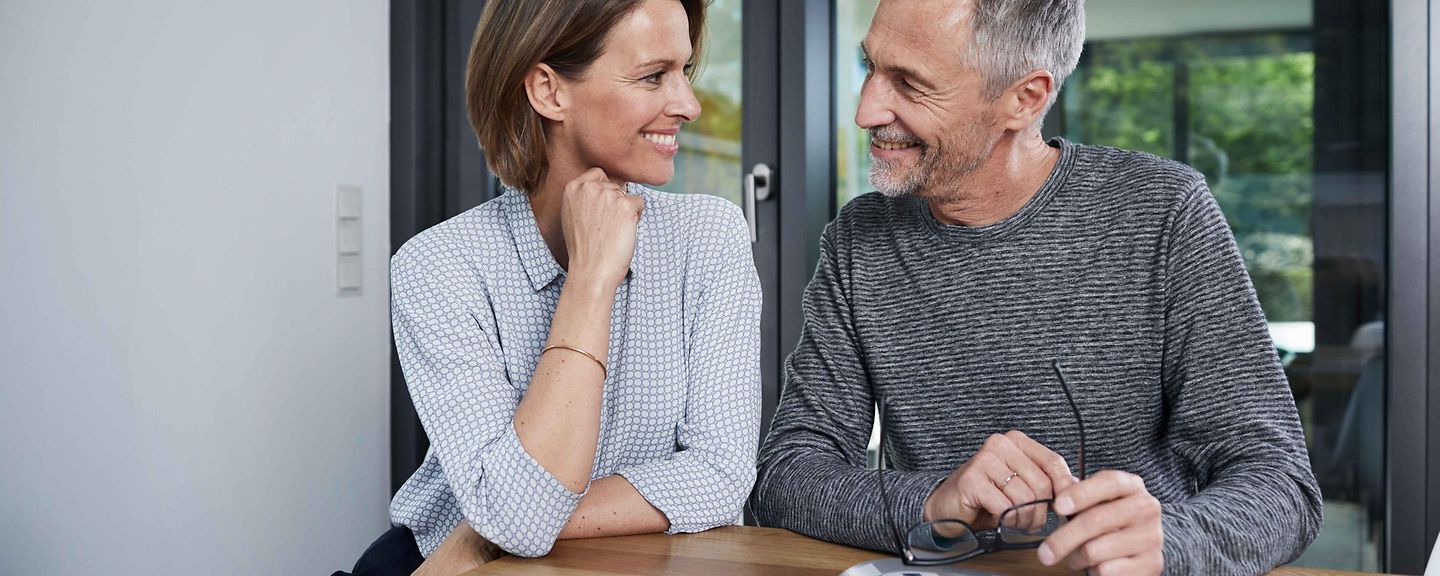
(471, 302)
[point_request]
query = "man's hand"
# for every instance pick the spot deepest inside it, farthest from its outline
(1114, 527)
(1009, 470)
(462, 551)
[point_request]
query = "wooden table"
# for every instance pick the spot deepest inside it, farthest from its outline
(745, 551)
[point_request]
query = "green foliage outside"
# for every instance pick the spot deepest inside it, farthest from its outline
(709, 159)
(1250, 131)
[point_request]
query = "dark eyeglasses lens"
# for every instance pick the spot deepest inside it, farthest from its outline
(940, 540)
(1029, 523)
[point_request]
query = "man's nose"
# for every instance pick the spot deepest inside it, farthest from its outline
(874, 109)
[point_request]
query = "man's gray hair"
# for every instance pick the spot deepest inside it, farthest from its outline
(1011, 38)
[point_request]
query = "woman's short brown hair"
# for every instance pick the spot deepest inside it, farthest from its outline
(515, 35)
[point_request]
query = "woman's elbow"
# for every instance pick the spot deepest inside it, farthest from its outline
(517, 540)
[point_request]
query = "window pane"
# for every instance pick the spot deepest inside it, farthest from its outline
(709, 158)
(852, 159)
(1254, 109)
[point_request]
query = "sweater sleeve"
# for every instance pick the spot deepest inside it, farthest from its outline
(1233, 419)
(812, 476)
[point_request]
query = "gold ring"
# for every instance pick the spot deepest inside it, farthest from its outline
(1012, 476)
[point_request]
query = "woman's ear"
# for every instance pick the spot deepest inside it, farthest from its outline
(544, 88)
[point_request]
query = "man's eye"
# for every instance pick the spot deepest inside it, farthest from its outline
(654, 78)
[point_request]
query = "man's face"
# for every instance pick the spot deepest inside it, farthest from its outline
(929, 123)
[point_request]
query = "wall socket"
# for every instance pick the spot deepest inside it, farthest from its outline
(348, 235)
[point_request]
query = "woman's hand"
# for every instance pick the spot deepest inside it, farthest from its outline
(599, 223)
(462, 551)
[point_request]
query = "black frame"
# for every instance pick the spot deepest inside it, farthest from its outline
(1412, 517)
(807, 178)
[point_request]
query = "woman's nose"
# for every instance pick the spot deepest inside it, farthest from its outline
(684, 104)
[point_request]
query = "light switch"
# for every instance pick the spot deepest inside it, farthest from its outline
(349, 237)
(347, 274)
(347, 202)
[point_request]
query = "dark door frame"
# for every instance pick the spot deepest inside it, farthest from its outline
(1413, 446)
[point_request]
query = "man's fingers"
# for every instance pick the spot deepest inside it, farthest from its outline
(981, 487)
(1114, 545)
(1053, 465)
(989, 498)
(1029, 518)
(1019, 462)
(1117, 567)
(1149, 563)
(1012, 484)
(1103, 487)
(1094, 523)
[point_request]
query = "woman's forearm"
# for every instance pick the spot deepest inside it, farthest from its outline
(558, 420)
(613, 507)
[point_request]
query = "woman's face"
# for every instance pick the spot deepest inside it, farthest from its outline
(624, 115)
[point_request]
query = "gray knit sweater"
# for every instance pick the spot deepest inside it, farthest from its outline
(1123, 268)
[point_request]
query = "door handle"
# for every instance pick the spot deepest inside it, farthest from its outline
(757, 189)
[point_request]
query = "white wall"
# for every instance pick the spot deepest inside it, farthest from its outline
(181, 390)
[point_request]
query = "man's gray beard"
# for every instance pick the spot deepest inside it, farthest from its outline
(887, 182)
(935, 165)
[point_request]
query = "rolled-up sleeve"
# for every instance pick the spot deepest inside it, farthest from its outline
(446, 340)
(704, 484)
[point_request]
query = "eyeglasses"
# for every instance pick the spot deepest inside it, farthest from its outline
(946, 541)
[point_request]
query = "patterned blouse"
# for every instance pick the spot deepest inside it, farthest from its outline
(471, 302)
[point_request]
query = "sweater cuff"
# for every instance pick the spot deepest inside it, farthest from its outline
(907, 492)
(1175, 555)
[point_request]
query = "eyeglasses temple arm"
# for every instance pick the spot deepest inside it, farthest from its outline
(1079, 423)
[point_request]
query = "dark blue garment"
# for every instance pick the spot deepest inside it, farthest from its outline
(394, 553)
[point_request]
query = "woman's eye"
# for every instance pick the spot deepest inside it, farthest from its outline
(654, 78)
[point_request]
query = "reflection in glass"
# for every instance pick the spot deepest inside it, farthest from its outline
(852, 157)
(1245, 108)
(709, 158)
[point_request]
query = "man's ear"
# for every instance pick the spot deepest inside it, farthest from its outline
(546, 91)
(1022, 105)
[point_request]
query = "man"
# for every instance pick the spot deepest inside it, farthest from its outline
(988, 258)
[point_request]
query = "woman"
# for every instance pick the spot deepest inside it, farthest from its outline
(582, 351)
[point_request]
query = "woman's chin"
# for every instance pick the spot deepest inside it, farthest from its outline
(645, 177)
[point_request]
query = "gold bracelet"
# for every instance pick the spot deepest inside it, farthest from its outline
(604, 373)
